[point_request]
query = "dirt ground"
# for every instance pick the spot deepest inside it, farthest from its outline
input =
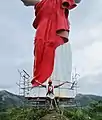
(54, 116)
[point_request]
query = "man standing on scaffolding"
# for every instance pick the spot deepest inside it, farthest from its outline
(50, 91)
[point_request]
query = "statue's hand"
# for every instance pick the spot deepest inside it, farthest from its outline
(30, 2)
(25, 2)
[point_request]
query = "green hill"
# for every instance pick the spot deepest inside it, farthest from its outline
(8, 99)
(85, 100)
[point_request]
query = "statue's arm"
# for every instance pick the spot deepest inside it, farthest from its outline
(30, 2)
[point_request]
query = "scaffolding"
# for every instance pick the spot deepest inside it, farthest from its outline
(24, 85)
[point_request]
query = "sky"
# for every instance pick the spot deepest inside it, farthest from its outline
(16, 44)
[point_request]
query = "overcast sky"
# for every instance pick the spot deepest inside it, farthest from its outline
(16, 43)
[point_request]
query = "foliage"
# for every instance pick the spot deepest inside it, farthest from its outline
(26, 113)
(76, 114)
(95, 110)
(92, 112)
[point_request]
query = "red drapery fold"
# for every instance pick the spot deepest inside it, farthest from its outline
(50, 17)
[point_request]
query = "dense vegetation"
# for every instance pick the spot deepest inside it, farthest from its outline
(91, 112)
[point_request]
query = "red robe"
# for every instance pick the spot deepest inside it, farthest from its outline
(51, 17)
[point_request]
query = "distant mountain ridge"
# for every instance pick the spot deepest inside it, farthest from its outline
(8, 99)
(84, 100)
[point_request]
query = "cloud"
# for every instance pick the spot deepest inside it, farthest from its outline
(16, 43)
(91, 84)
(89, 60)
(86, 24)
